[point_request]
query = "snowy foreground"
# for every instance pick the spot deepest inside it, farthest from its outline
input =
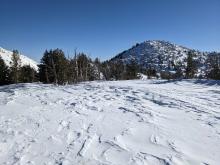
(117, 123)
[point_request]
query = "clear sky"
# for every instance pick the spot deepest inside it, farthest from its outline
(103, 28)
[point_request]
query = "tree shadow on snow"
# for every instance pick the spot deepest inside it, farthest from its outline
(198, 81)
(11, 88)
(167, 81)
(207, 82)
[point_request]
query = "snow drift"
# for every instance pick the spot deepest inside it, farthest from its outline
(119, 123)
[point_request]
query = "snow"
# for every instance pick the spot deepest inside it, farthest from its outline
(134, 122)
(7, 55)
(142, 76)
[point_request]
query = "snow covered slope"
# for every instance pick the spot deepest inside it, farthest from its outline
(6, 56)
(161, 55)
(111, 123)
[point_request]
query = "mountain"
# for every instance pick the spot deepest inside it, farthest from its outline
(6, 56)
(161, 56)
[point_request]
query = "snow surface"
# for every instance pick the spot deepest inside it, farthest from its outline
(6, 55)
(142, 76)
(150, 122)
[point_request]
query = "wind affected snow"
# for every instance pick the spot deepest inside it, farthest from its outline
(119, 123)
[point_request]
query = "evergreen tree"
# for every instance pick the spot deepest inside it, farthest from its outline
(80, 68)
(15, 66)
(213, 66)
(98, 66)
(131, 70)
(178, 71)
(54, 67)
(106, 70)
(76, 67)
(191, 68)
(83, 67)
(117, 70)
(73, 70)
(43, 74)
(4, 73)
(151, 72)
(27, 74)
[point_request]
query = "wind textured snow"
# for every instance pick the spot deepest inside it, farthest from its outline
(119, 123)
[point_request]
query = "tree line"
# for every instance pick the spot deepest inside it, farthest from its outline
(56, 68)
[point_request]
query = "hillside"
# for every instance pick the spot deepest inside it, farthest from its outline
(6, 56)
(111, 123)
(162, 56)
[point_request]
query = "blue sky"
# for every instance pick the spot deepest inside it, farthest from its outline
(103, 28)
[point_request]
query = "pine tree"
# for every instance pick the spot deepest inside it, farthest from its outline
(54, 67)
(179, 72)
(72, 73)
(105, 69)
(117, 70)
(191, 68)
(27, 74)
(4, 73)
(84, 64)
(76, 67)
(15, 66)
(213, 66)
(43, 74)
(98, 65)
(151, 72)
(131, 70)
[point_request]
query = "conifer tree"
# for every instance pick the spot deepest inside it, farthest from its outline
(4, 73)
(15, 66)
(54, 67)
(27, 74)
(43, 74)
(132, 70)
(76, 67)
(179, 72)
(98, 65)
(191, 68)
(105, 69)
(213, 66)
